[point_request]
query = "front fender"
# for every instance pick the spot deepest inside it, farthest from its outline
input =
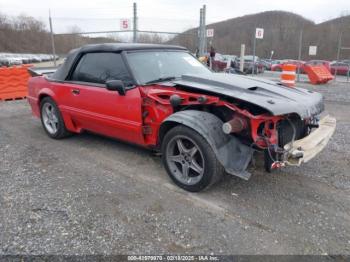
(231, 152)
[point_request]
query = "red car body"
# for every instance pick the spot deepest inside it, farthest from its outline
(340, 68)
(101, 111)
(218, 63)
(216, 107)
(219, 66)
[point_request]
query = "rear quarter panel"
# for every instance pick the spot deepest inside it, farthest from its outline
(37, 87)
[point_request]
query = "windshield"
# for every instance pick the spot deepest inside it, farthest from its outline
(148, 66)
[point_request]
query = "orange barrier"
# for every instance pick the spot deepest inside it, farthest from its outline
(318, 74)
(13, 82)
(288, 75)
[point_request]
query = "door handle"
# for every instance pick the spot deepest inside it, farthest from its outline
(75, 91)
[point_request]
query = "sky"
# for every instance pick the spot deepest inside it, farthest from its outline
(161, 15)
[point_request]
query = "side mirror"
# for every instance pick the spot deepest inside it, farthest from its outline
(116, 85)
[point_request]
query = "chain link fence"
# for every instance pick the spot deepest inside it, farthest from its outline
(287, 39)
(72, 32)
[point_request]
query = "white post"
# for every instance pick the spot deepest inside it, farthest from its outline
(241, 64)
(254, 47)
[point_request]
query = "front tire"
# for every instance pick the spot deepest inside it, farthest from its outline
(52, 120)
(189, 160)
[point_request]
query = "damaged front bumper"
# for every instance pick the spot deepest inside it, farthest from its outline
(303, 150)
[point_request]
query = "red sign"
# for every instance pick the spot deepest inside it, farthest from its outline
(125, 24)
(259, 33)
(210, 32)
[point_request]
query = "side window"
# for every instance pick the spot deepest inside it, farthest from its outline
(101, 67)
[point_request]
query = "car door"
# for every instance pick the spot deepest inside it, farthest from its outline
(93, 107)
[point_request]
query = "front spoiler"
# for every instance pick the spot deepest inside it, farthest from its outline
(303, 150)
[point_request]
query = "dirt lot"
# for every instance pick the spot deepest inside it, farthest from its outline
(92, 195)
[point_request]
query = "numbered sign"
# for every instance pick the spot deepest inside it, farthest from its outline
(210, 32)
(312, 50)
(259, 33)
(125, 24)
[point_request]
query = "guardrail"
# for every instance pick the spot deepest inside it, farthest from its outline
(13, 82)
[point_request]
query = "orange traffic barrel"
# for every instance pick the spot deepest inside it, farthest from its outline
(288, 75)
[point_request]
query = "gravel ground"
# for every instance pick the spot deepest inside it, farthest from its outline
(92, 195)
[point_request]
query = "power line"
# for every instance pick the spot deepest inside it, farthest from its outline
(86, 18)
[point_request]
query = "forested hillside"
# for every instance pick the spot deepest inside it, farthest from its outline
(24, 34)
(282, 32)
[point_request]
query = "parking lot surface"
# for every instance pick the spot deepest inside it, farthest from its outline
(89, 194)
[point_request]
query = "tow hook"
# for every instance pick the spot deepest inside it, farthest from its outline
(277, 164)
(296, 154)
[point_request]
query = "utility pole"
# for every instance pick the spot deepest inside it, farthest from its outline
(299, 53)
(200, 40)
(134, 39)
(202, 32)
(204, 29)
(52, 39)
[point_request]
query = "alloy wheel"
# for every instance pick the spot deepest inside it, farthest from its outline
(50, 118)
(185, 160)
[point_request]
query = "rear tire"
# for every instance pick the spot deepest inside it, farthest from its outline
(189, 159)
(52, 120)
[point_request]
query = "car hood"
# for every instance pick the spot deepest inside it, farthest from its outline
(271, 96)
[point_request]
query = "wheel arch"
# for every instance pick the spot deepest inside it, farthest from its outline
(46, 93)
(41, 97)
(71, 127)
(230, 151)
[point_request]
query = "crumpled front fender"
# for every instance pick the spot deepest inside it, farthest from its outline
(231, 152)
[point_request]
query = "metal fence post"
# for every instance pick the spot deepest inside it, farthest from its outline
(52, 39)
(254, 47)
(299, 54)
(135, 24)
(338, 54)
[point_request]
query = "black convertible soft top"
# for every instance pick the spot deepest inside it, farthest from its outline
(62, 72)
(117, 47)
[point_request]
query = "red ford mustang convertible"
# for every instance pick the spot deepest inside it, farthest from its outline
(160, 97)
